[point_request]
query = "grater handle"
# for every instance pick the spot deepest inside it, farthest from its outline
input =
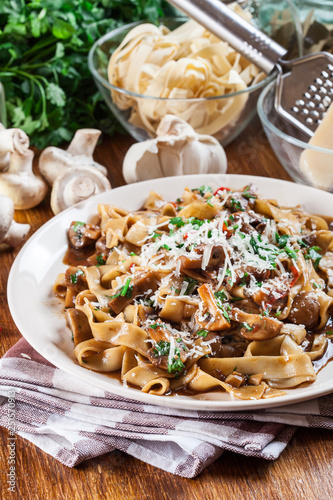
(223, 22)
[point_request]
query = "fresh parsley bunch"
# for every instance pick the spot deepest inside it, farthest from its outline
(43, 62)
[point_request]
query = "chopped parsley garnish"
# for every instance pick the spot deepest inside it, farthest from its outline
(162, 348)
(312, 253)
(101, 259)
(204, 189)
(155, 235)
(77, 225)
(177, 221)
(290, 252)
(196, 223)
(225, 314)
(209, 203)
(329, 333)
(246, 193)
(302, 243)
(237, 204)
(221, 295)
(166, 246)
(73, 277)
(191, 284)
(209, 233)
(202, 333)
(125, 290)
(177, 365)
(132, 254)
(282, 240)
(247, 326)
(278, 313)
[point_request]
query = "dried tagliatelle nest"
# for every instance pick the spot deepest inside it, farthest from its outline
(186, 66)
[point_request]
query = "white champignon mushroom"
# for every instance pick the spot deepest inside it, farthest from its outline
(12, 140)
(11, 233)
(25, 188)
(54, 161)
(75, 185)
(177, 150)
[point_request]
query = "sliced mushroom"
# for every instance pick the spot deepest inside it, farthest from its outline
(211, 318)
(25, 188)
(11, 233)
(216, 258)
(12, 140)
(82, 235)
(305, 310)
(75, 279)
(79, 325)
(75, 185)
(138, 285)
(54, 161)
(156, 356)
(256, 326)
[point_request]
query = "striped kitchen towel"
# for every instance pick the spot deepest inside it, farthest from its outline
(74, 422)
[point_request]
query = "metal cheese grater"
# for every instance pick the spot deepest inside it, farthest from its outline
(303, 95)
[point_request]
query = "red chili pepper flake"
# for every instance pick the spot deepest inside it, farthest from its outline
(295, 272)
(222, 188)
(132, 265)
(185, 236)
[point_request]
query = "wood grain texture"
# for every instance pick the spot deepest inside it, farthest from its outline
(304, 470)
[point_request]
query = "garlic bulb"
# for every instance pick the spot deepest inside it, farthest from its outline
(177, 150)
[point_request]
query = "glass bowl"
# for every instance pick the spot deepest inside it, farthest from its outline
(192, 109)
(305, 163)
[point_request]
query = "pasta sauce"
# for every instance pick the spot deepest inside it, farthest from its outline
(219, 290)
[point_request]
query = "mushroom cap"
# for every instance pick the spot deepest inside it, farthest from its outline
(77, 184)
(6, 215)
(55, 161)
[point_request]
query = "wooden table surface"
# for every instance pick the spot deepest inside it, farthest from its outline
(304, 470)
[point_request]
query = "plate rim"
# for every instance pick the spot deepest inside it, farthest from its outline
(101, 381)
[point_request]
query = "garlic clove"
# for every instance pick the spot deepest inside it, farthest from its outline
(177, 150)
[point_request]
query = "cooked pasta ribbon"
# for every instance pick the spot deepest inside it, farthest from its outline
(223, 291)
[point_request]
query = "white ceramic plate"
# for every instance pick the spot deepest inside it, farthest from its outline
(37, 313)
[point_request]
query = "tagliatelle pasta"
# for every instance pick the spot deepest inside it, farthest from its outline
(187, 63)
(221, 291)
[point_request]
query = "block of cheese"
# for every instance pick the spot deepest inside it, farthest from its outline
(318, 167)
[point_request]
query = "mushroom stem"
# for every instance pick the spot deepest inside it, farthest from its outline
(21, 163)
(12, 140)
(16, 234)
(11, 232)
(25, 188)
(84, 142)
